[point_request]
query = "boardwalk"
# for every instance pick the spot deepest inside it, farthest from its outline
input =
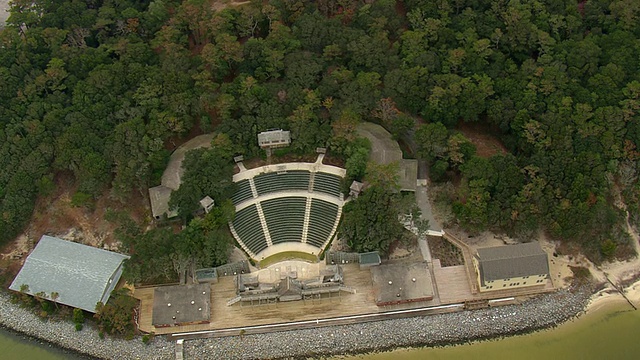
(452, 285)
(223, 316)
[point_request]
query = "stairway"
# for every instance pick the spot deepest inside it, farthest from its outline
(263, 221)
(305, 225)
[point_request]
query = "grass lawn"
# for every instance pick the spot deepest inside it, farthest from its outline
(288, 255)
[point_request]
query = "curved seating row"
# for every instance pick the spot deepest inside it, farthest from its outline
(285, 218)
(327, 183)
(289, 180)
(243, 192)
(322, 217)
(249, 229)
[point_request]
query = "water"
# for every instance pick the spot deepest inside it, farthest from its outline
(14, 347)
(608, 333)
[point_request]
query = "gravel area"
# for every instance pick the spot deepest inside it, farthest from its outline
(63, 334)
(537, 313)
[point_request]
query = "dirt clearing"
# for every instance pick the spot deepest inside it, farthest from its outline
(485, 140)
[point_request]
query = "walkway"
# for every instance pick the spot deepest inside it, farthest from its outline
(172, 175)
(426, 210)
(312, 167)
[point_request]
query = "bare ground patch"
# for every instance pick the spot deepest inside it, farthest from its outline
(446, 252)
(487, 144)
(55, 215)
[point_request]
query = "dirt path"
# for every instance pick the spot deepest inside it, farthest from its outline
(172, 175)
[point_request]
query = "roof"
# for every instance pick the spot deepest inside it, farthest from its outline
(511, 261)
(385, 150)
(159, 197)
(274, 137)
(207, 203)
(402, 283)
(356, 186)
(370, 258)
(289, 287)
(81, 275)
(181, 304)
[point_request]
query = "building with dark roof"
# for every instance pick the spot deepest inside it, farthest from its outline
(81, 275)
(178, 305)
(402, 283)
(511, 266)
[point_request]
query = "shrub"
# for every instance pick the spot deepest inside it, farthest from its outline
(608, 248)
(78, 316)
(79, 326)
(80, 199)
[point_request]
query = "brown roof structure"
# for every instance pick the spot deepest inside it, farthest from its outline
(512, 261)
(402, 283)
(181, 305)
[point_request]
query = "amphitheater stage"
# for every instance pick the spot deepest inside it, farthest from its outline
(300, 270)
(223, 316)
(362, 302)
(287, 247)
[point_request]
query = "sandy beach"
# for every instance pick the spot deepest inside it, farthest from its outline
(609, 296)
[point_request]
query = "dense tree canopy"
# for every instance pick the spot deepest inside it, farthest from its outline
(101, 89)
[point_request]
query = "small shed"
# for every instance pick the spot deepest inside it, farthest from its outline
(207, 203)
(355, 189)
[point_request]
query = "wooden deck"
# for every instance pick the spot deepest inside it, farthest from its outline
(452, 285)
(223, 316)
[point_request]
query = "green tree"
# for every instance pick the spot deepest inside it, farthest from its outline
(432, 141)
(207, 172)
(370, 222)
(116, 316)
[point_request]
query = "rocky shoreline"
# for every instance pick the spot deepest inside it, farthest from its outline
(435, 330)
(85, 342)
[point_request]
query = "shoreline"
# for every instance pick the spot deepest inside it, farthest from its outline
(85, 343)
(608, 297)
(28, 338)
(543, 312)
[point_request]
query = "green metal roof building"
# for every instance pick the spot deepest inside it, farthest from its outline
(81, 275)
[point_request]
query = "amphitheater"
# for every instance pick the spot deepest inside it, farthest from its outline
(290, 207)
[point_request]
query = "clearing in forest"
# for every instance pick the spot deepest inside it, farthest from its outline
(484, 138)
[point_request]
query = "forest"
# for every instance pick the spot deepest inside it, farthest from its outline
(101, 90)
